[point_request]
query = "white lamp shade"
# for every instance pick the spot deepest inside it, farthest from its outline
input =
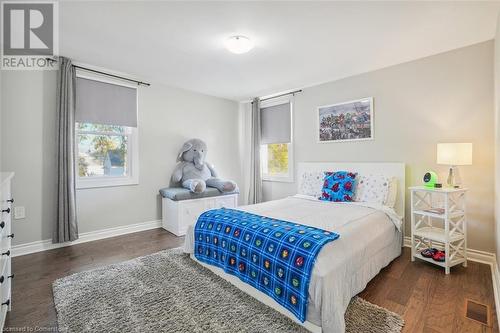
(454, 153)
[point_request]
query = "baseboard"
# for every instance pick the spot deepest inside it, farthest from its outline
(495, 277)
(483, 257)
(44, 245)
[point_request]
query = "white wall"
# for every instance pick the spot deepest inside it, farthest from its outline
(447, 97)
(443, 98)
(28, 148)
(167, 117)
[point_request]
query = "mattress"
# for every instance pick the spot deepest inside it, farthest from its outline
(370, 239)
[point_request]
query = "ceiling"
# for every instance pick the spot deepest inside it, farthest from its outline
(298, 44)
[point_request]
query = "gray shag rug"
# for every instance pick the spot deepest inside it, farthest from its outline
(169, 292)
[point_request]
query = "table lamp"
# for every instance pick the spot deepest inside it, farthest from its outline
(454, 154)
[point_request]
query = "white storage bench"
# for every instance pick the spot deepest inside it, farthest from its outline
(181, 208)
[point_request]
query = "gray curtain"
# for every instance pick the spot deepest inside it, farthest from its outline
(255, 189)
(66, 227)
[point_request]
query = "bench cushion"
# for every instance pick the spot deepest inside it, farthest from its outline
(180, 193)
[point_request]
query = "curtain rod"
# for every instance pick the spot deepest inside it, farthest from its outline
(281, 95)
(107, 74)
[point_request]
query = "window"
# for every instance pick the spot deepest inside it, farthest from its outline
(276, 152)
(106, 133)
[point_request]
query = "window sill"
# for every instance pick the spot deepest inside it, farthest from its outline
(110, 182)
(278, 179)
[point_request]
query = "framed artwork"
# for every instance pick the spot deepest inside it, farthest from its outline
(348, 121)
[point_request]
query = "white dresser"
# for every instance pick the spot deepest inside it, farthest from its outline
(177, 216)
(6, 236)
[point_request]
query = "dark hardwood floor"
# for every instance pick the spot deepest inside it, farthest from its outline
(32, 302)
(428, 300)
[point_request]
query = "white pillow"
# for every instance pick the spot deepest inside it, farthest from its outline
(390, 201)
(372, 188)
(311, 183)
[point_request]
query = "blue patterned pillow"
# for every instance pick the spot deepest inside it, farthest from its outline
(338, 186)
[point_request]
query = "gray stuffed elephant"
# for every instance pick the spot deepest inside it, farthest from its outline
(194, 173)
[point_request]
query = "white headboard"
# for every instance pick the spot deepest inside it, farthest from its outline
(387, 169)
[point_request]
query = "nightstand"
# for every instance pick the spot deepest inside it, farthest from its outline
(438, 220)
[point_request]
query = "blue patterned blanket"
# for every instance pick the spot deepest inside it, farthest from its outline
(274, 256)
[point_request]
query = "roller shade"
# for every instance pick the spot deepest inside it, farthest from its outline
(105, 103)
(276, 124)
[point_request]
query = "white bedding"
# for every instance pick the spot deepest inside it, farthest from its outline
(369, 240)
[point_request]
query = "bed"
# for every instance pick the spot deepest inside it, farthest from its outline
(371, 237)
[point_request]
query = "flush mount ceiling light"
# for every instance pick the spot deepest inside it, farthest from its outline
(239, 44)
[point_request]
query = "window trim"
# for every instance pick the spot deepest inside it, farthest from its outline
(291, 161)
(132, 148)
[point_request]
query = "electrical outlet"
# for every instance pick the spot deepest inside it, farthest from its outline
(19, 212)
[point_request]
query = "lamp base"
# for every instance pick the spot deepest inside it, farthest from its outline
(453, 177)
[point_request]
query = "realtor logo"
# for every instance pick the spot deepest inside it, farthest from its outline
(29, 34)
